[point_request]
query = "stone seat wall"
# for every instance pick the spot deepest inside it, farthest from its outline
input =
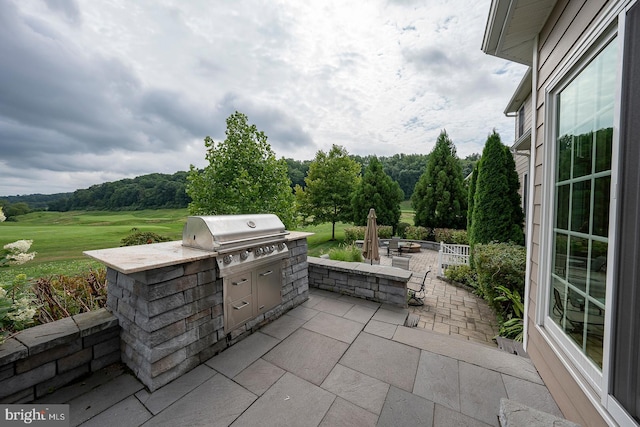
(386, 285)
(41, 359)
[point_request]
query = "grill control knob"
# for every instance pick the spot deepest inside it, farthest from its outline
(227, 259)
(258, 251)
(244, 255)
(281, 246)
(270, 248)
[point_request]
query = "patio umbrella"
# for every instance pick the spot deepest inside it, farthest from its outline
(370, 247)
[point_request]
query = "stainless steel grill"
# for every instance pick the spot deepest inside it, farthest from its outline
(250, 250)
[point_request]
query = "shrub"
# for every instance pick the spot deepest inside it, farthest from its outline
(16, 306)
(499, 264)
(351, 234)
(402, 229)
(418, 233)
(349, 253)
(459, 237)
(461, 274)
(449, 235)
(63, 296)
(138, 237)
(384, 232)
(443, 235)
(513, 311)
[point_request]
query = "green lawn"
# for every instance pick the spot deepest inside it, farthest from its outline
(59, 238)
(406, 212)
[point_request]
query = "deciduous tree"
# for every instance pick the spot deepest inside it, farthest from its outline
(243, 176)
(330, 183)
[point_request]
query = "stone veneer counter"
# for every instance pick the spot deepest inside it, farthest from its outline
(169, 303)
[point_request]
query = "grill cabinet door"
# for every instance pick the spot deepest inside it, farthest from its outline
(269, 286)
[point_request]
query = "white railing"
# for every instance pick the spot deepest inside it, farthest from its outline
(452, 255)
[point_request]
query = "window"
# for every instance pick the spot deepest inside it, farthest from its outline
(521, 121)
(582, 189)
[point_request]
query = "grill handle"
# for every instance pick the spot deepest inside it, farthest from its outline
(266, 273)
(241, 306)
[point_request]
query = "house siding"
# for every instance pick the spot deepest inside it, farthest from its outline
(564, 28)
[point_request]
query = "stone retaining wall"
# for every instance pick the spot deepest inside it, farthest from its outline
(46, 357)
(382, 284)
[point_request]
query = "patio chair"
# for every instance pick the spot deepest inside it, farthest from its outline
(575, 318)
(416, 297)
(394, 246)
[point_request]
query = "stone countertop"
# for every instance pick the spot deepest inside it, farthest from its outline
(133, 259)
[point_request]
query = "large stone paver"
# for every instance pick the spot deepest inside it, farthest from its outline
(445, 417)
(239, 356)
(88, 405)
(315, 367)
(346, 414)
(360, 389)
(339, 328)
(127, 413)
(406, 409)
(284, 326)
(388, 361)
(480, 392)
(167, 395)
(534, 395)
(307, 354)
(438, 380)
(291, 401)
(216, 402)
(258, 377)
(474, 353)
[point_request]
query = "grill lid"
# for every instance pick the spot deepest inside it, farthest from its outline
(224, 233)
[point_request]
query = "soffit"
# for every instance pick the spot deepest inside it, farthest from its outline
(512, 26)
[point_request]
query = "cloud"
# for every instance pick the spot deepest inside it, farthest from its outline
(284, 132)
(95, 91)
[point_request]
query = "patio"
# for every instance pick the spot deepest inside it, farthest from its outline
(448, 309)
(335, 360)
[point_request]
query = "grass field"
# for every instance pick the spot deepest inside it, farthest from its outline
(59, 238)
(406, 212)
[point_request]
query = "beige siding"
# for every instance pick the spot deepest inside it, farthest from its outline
(564, 28)
(573, 403)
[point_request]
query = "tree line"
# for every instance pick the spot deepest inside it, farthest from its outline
(244, 176)
(159, 191)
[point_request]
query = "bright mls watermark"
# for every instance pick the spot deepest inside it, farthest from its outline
(34, 415)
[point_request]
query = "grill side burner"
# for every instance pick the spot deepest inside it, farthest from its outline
(250, 251)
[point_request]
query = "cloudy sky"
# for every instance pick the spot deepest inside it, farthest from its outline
(96, 91)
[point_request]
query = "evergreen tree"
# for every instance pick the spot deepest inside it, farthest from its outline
(330, 183)
(243, 176)
(493, 210)
(439, 198)
(470, 198)
(517, 215)
(377, 190)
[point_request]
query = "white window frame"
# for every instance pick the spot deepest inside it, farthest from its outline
(586, 374)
